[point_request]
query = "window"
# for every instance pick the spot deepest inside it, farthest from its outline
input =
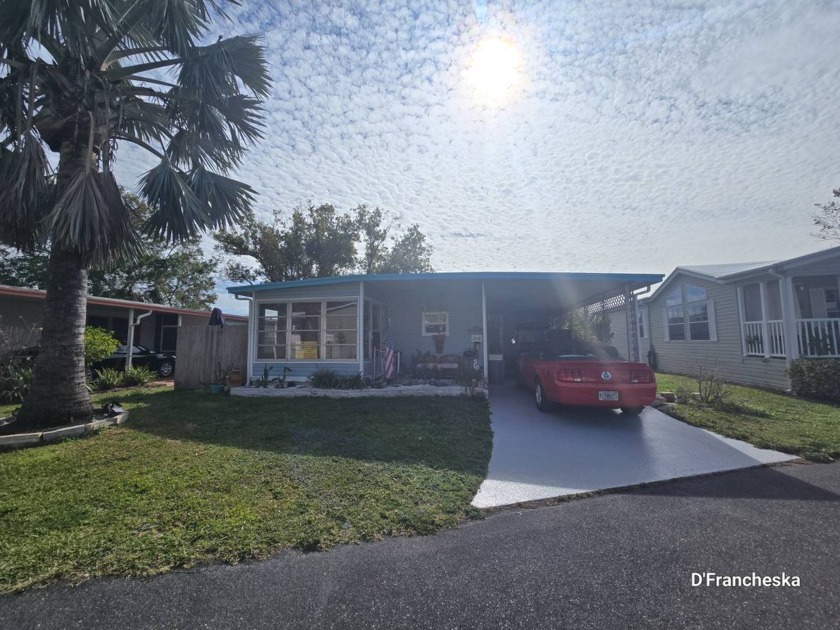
(307, 331)
(689, 315)
(340, 331)
(436, 323)
(305, 338)
(675, 315)
(271, 331)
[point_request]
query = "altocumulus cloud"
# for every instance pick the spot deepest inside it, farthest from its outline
(638, 136)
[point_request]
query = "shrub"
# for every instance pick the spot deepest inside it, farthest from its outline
(327, 379)
(711, 388)
(106, 378)
(138, 375)
(15, 380)
(816, 378)
(99, 344)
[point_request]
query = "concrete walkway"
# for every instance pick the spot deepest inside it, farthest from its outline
(570, 451)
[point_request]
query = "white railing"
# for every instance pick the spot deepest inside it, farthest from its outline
(776, 334)
(755, 343)
(378, 365)
(754, 338)
(819, 337)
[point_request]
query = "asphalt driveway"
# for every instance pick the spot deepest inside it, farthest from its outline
(621, 560)
(570, 451)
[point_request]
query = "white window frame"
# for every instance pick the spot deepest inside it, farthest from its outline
(683, 306)
(643, 323)
(322, 337)
(424, 323)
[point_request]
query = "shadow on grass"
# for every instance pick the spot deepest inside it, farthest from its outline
(444, 433)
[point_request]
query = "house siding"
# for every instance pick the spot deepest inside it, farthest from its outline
(724, 355)
(618, 328)
(406, 306)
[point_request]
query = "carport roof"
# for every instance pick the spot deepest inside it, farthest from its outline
(588, 286)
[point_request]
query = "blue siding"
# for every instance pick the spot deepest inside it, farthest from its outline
(301, 370)
(462, 300)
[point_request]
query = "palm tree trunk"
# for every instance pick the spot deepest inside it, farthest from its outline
(59, 392)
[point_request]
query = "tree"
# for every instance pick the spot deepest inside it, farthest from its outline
(175, 274)
(79, 77)
(316, 242)
(829, 220)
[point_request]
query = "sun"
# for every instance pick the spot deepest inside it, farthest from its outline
(494, 71)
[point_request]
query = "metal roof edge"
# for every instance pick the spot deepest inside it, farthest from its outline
(452, 275)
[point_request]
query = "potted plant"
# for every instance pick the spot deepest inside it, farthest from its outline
(217, 385)
(235, 378)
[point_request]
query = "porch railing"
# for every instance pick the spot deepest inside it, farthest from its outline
(378, 365)
(819, 337)
(755, 342)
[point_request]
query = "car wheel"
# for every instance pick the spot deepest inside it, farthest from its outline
(632, 411)
(539, 397)
(165, 368)
(89, 375)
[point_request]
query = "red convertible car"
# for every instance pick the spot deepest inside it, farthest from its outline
(586, 373)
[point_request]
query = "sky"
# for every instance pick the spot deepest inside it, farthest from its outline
(596, 136)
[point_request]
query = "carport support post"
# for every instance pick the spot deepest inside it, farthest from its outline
(631, 325)
(484, 350)
(129, 343)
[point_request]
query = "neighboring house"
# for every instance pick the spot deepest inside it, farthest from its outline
(155, 325)
(748, 321)
(340, 322)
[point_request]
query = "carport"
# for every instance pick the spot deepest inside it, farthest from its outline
(516, 299)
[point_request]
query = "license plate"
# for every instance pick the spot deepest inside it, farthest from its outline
(607, 395)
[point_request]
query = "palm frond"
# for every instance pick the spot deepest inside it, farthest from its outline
(213, 70)
(26, 191)
(178, 214)
(91, 218)
(225, 201)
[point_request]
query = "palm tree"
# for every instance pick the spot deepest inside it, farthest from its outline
(79, 77)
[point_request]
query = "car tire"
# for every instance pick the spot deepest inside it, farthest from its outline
(539, 397)
(89, 375)
(632, 411)
(165, 369)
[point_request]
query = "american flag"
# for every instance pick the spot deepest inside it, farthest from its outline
(390, 366)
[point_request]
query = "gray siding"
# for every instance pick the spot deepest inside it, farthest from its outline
(618, 328)
(724, 355)
(313, 293)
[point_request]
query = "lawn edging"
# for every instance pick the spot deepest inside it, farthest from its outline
(38, 438)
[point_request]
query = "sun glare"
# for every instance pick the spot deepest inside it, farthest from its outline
(494, 72)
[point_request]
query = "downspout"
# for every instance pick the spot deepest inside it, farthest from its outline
(130, 341)
(484, 349)
(250, 355)
(360, 334)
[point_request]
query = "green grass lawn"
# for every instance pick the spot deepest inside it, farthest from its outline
(197, 478)
(765, 419)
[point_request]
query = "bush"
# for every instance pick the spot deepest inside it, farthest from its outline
(138, 375)
(15, 380)
(327, 379)
(816, 378)
(711, 388)
(106, 378)
(99, 344)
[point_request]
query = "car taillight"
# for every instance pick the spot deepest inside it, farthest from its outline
(568, 376)
(641, 376)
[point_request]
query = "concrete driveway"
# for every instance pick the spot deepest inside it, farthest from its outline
(544, 455)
